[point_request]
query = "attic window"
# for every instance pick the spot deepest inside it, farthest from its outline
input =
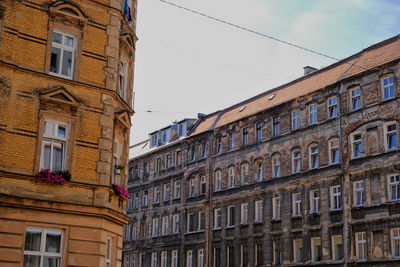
(242, 108)
(271, 97)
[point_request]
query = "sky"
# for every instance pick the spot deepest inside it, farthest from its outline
(188, 64)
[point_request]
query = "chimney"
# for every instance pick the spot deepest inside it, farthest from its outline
(308, 70)
(200, 115)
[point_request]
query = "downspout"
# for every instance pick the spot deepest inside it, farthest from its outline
(210, 186)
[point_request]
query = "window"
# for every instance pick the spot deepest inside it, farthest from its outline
(276, 208)
(275, 126)
(231, 256)
(356, 145)
(245, 173)
(245, 136)
(108, 253)
(204, 150)
(296, 161)
(244, 256)
(178, 158)
(164, 229)
(193, 154)
(54, 145)
(355, 98)
(332, 107)
(390, 136)
(191, 187)
(276, 166)
(296, 120)
(358, 195)
(296, 204)
(202, 185)
(174, 258)
(189, 258)
(190, 222)
(313, 114)
(142, 260)
(361, 246)
(244, 213)
(135, 200)
(314, 201)
(202, 220)
(181, 131)
(175, 223)
(314, 157)
(316, 249)
(134, 231)
(219, 145)
(154, 231)
(298, 250)
(335, 197)
(168, 161)
(157, 194)
(231, 174)
(154, 259)
(396, 243)
(145, 201)
(143, 229)
(259, 254)
(200, 258)
(218, 181)
(259, 170)
(233, 140)
(231, 216)
(177, 189)
(388, 88)
(276, 244)
(154, 140)
(62, 58)
(166, 192)
(259, 131)
(217, 218)
(394, 187)
(217, 257)
(337, 247)
(333, 151)
(123, 77)
(258, 210)
(158, 164)
(43, 246)
(146, 168)
(164, 259)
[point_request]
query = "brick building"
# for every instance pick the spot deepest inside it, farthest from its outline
(66, 94)
(303, 174)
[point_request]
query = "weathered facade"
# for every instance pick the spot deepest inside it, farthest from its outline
(304, 174)
(66, 78)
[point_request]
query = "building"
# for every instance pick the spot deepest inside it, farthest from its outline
(303, 174)
(66, 78)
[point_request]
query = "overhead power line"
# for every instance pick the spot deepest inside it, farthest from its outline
(249, 30)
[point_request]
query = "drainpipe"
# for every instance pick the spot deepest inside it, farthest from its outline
(342, 180)
(210, 186)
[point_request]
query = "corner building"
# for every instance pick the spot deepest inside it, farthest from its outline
(303, 174)
(66, 94)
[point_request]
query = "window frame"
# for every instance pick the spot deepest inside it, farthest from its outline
(388, 133)
(200, 257)
(296, 119)
(174, 258)
(154, 227)
(217, 218)
(333, 148)
(244, 213)
(276, 208)
(166, 192)
(164, 258)
(313, 247)
(314, 202)
(259, 135)
(230, 222)
(258, 211)
(313, 155)
(357, 191)
(177, 189)
(71, 34)
(276, 131)
(296, 254)
(313, 114)
(335, 195)
(244, 173)
(354, 144)
(363, 243)
(391, 184)
(296, 205)
(218, 180)
(334, 237)
(231, 176)
(245, 135)
(276, 166)
(296, 161)
(175, 223)
(332, 106)
(165, 226)
(395, 238)
(189, 258)
(157, 194)
(383, 86)
(354, 97)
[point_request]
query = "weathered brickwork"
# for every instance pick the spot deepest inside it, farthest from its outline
(62, 107)
(311, 178)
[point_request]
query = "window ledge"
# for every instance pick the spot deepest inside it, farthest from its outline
(230, 227)
(194, 232)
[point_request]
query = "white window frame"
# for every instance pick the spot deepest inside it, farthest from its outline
(394, 183)
(203, 186)
(296, 204)
(276, 166)
(219, 145)
(200, 214)
(313, 248)
(154, 229)
(276, 208)
(388, 134)
(296, 161)
(314, 201)
(145, 198)
(42, 247)
(175, 223)
(395, 238)
(189, 258)
(52, 139)
(295, 119)
(191, 187)
(245, 136)
(244, 173)
(174, 258)
(157, 194)
(276, 128)
(332, 107)
(178, 158)
(217, 218)
(275, 260)
(353, 98)
(229, 222)
(164, 228)
(168, 161)
(204, 150)
(123, 76)
(218, 180)
(200, 257)
(336, 237)
(259, 170)
(244, 213)
(313, 114)
(242, 255)
(177, 189)
(355, 143)
(335, 193)
(259, 135)
(231, 174)
(108, 252)
(332, 149)
(167, 191)
(258, 211)
(233, 140)
(154, 259)
(314, 155)
(164, 256)
(297, 245)
(361, 246)
(358, 193)
(63, 48)
(389, 85)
